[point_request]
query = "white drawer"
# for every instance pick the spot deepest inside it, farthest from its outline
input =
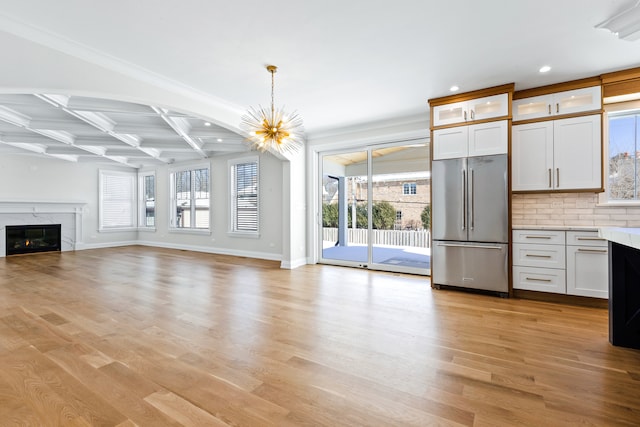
(585, 238)
(547, 256)
(539, 279)
(547, 237)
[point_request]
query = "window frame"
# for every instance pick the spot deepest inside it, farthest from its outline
(102, 174)
(619, 107)
(142, 203)
(409, 185)
(232, 225)
(190, 167)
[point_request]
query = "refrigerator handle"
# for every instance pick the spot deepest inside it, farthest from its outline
(471, 214)
(464, 199)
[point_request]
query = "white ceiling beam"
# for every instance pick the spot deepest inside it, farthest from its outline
(181, 127)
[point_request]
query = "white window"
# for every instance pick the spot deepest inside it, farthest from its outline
(147, 200)
(190, 198)
(622, 148)
(244, 196)
(409, 188)
(117, 200)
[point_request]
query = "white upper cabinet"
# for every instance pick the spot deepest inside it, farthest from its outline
(482, 139)
(577, 154)
(450, 143)
(532, 157)
(562, 154)
(559, 103)
(488, 138)
(467, 111)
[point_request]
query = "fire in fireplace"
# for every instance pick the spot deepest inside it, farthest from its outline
(24, 239)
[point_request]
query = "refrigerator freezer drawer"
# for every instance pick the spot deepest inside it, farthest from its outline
(470, 265)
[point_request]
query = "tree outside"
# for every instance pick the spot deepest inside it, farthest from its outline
(425, 216)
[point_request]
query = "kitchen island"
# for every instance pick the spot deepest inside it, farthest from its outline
(624, 285)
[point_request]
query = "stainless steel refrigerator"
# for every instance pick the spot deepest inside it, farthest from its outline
(470, 217)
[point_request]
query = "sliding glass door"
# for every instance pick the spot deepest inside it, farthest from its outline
(345, 208)
(376, 208)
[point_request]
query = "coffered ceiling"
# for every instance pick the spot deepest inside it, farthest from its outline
(343, 64)
(88, 129)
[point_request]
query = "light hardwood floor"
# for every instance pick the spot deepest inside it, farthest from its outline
(152, 337)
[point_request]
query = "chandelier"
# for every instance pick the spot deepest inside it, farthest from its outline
(273, 129)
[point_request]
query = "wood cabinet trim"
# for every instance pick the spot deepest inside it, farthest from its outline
(620, 76)
(558, 117)
(466, 96)
(557, 87)
(474, 122)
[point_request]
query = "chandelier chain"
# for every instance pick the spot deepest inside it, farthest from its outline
(273, 110)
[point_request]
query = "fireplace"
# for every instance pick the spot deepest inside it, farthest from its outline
(24, 239)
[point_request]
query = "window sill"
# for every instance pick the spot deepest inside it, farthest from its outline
(244, 234)
(147, 229)
(198, 231)
(116, 229)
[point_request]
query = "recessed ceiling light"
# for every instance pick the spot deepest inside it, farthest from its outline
(207, 124)
(219, 139)
(545, 69)
(454, 88)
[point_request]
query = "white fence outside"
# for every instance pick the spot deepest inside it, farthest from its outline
(407, 238)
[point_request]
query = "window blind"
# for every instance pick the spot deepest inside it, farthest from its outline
(118, 200)
(246, 197)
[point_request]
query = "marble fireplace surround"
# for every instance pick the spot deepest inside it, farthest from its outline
(68, 214)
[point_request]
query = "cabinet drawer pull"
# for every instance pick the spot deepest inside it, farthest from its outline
(590, 238)
(602, 251)
(537, 237)
(533, 279)
(473, 115)
(537, 256)
(557, 107)
(465, 116)
(549, 105)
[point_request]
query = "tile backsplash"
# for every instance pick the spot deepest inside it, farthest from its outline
(570, 209)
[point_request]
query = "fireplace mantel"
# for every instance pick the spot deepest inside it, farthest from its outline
(24, 212)
(23, 206)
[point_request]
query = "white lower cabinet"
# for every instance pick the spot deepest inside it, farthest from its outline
(587, 265)
(539, 260)
(563, 262)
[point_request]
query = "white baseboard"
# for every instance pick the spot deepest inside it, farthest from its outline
(212, 250)
(83, 246)
(290, 265)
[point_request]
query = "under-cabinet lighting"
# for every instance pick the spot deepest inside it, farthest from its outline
(545, 69)
(454, 88)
